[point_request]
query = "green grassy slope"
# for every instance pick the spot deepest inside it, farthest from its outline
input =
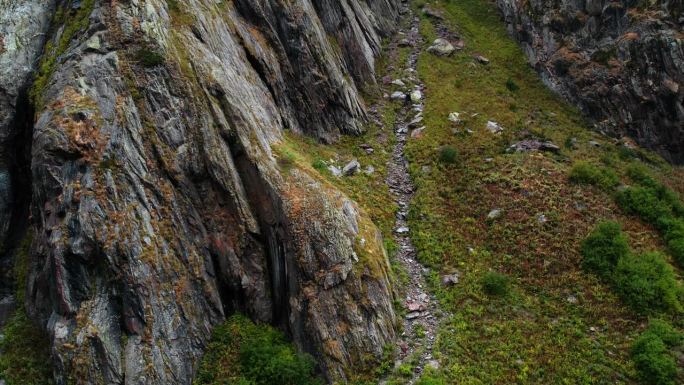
(555, 323)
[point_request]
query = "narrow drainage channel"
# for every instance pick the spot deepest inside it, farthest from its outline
(421, 320)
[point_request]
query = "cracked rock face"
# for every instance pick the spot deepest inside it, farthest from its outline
(158, 205)
(23, 25)
(621, 62)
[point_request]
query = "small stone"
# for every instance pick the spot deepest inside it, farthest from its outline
(416, 96)
(369, 170)
(455, 118)
(481, 59)
(335, 171)
(398, 95)
(405, 43)
(450, 279)
(402, 230)
(368, 148)
(489, 160)
(434, 364)
(571, 299)
(549, 147)
(494, 214)
(671, 86)
(441, 47)
(415, 306)
(351, 168)
(417, 133)
(494, 127)
(416, 122)
(426, 169)
(594, 143)
(542, 219)
(399, 83)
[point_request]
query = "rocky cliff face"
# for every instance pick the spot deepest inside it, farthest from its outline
(157, 205)
(621, 62)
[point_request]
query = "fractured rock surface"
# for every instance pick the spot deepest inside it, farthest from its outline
(158, 206)
(620, 62)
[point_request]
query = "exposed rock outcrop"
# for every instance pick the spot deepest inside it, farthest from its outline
(158, 205)
(23, 25)
(621, 62)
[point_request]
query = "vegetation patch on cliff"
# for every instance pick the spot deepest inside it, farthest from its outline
(24, 347)
(242, 353)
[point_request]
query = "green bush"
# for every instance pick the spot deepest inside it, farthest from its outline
(647, 283)
(243, 353)
(25, 353)
(319, 165)
(651, 353)
(644, 202)
(587, 173)
(603, 248)
(149, 58)
(512, 85)
(448, 155)
(495, 284)
(430, 380)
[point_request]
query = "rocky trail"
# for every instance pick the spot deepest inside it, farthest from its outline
(422, 314)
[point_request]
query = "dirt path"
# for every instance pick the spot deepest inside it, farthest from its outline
(422, 313)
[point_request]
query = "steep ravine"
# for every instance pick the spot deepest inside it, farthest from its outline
(158, 206)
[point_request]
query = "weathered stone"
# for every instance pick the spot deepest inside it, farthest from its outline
(455, 118)
(495, 214)
(351, 168)
(416, 96)
(494, 127)
(441, 47)
(398, 95)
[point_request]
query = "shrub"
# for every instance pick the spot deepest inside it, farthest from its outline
(149, 58)
(512, 85)
(644, 202)
(430, 380)
(651, 354)
(495, 284)
(241, 352)
(25, 357)
(448, 155)
(587, 173)
(603, 248)
(319, 165)
(647, 283)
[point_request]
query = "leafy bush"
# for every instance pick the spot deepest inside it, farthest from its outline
(25, 357)
(648, 284)
(495, 284)
(603, 248)
(448, 155)
(319, 165)
(430, 380)
(512, 85)
(587, 173)
(651, 354)
(149, 58)
(644, 202)
(247, 354)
